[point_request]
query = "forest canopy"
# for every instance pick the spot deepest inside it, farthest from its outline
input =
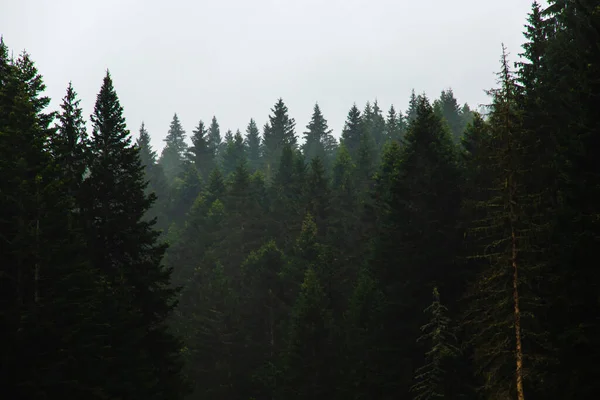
(432, 252)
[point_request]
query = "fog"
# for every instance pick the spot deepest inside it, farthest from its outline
(234, 58)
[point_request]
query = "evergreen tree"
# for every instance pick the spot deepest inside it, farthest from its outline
(353, 132)
(147, 154)
(281, 133)
(68, 145)
(316, 138)
(185, 189)
(394, 125)
(253, 146)
(157, 182)
(411, 112)
(412, 217)
(234, 154)
(501, 302)
(318, 195)
(308, 358)
(375, 129)
(448, 109)
(200, 153)
(431, 378)
(214, 139)
(125, 248)
(47, 290)
(173, 154)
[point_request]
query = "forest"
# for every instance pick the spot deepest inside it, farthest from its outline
(435, 252)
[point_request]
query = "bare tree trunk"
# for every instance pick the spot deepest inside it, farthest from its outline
(517, 315)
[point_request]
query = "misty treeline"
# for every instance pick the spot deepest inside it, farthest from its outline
(433, 253)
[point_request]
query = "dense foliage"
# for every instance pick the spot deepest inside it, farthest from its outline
(273, 266)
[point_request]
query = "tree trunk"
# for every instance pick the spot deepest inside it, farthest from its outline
(517, 315)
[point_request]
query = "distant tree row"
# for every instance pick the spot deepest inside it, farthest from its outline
(436, 253)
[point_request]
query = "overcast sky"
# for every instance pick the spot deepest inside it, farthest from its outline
(234, 58)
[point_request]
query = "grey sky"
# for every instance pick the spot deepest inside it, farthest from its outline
(234, 58)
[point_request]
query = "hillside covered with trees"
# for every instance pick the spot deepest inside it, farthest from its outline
(432, 252)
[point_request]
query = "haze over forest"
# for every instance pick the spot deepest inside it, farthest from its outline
(172, 231)
(234, 58)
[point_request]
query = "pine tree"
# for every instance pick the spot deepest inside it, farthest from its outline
(69, 144)
(173, 154)
(281, 133)
(253, 146)
(352, 135)
(185, 189)
(417, 200)
(234, 154)
(262, 293)
(375, 129)
(200, 153)
(431, 378)
(316, 137)
(215, 140)
(47, 291)
(448, 109)
(125, 248)
(157, 182)
(502, 307)
(393, 125)
(318, 195)
(411, 112)
(308, 365)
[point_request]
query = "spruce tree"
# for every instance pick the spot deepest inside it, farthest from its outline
(393, 125)
(281, 133)
(215, 140)
(309, 359)
(173, 154)
(353, 132)
(411, 111)
(200, 153)
(316, 137)
(155, 177)
(449, 110)
(253, 146)
(431, 377)
(125, 248)
(69, 143)
(504, 299)
(417, 201)
(234, 154)
(47, 291)
(375, 129)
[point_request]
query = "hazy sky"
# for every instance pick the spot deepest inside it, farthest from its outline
(234, 58)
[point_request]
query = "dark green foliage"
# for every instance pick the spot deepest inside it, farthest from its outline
(68, 145)
(157, 183)
(431, 377)
(303, 270)
(253, 146)
(173, 154)
(375, 129)
(394, 125)
(318, 141)
(308, 361)
(234, 153)
(200, 153)
(353, 133)
(280, 133)
(47, 291)
(125, 248)
(214, 139)
(411, 111)
(184, 190)
(448, 109)
(318, 194)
